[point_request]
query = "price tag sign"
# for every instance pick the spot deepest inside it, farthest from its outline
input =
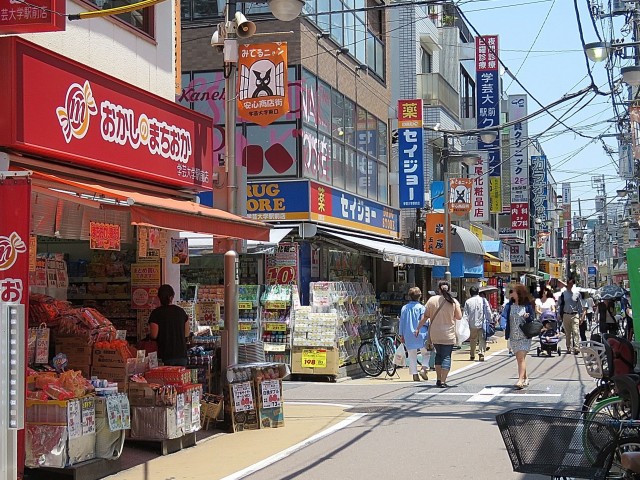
(276, 327)
(245, 327)
(88, 416)
(314, 358)
(275, 347)
(245, 306)
(271, 397)
(74, 419)
(276, 305)
(242, 397)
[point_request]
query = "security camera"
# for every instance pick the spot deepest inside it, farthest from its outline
(217, 40)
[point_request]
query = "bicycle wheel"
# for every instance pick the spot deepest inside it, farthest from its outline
(389, 350)
(369, 359)
(601, 392)
(625, 444)
(614, 407)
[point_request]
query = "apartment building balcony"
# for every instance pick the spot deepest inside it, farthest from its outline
(437, 92)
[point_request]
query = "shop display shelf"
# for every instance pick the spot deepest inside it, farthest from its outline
(99, 280)
(100, 296)
(276, 347)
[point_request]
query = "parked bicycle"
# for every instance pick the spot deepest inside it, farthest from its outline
(376, 352)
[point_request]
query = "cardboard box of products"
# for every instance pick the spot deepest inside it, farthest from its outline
(154, 423)
(108, 358)
(143, 395)
(315, 361)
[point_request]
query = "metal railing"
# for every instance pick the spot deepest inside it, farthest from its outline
(436, 91)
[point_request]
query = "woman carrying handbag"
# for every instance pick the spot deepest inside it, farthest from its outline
(517, 314)
(442, 311)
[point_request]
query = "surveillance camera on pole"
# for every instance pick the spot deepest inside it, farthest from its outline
(217, 39)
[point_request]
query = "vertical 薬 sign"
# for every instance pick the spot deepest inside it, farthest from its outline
(518, 138)
(410, 153)
(480, 192)
(488, 111)
(539, 190)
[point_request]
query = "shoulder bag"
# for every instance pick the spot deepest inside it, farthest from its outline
(427, 341)
(531, 328)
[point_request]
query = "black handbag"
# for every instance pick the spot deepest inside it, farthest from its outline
(531, 329)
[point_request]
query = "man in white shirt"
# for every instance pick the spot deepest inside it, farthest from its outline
(476, 312)
(589, 304)
(572, 313)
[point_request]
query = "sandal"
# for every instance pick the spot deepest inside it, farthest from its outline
(525, 383)
(519, 385)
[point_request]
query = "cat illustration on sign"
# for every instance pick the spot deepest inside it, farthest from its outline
(262, 84)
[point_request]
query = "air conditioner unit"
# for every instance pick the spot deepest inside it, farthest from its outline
(619, 7)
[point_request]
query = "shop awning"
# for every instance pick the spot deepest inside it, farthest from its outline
(393, 252)
(161, 212)
(202, 244)
(463, 241)
(492, 246)
(493, 258)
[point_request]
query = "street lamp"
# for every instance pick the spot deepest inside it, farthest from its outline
(226, 37)
(597, 51)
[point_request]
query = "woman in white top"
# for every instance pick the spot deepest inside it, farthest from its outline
(546, 302)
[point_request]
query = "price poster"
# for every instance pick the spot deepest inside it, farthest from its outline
(271, 394)
(126, 411)
(180, 251)
(242, 397)
(104, 236)
(88, 416)
(180, 409)
(314, 358)
(74, 419)
(195, 407)
(114, 413)
(145, 280)
(282, 266)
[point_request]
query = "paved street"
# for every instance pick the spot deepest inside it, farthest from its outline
(410, 430)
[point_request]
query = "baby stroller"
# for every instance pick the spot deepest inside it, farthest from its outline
(549, 336)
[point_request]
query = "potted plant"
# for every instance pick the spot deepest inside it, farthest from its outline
(448, 20)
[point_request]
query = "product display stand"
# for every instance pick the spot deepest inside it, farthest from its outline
(326, 336)
(276, 323)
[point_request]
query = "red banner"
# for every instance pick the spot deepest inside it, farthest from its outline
(31, 17)
(519, 216)
(15, 217)
(409, 113)
(87, 118)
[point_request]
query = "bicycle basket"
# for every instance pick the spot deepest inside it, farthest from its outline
(389, 325)
(558, 443)
(367, 331)
(595, 360)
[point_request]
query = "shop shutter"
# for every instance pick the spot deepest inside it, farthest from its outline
(43, 212)
(120, 217)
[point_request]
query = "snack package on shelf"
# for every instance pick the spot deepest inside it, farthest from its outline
(168, 375)
(259, 370)
(88, 323)
(46, 309)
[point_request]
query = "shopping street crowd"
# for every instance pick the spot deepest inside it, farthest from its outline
(436, 327)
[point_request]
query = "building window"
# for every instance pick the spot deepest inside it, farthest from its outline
(467, 95)
(139, 19)
(426, 61)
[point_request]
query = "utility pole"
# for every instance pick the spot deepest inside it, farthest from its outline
(447, 221)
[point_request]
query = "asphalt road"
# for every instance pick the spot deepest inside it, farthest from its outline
(410, 430)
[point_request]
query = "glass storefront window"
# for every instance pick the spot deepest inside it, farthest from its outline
(372, 181)
(337, 115)
(323, 103)
(362, 137)
(383, 180)
(270, 151)
(350, 32)
(309, 99)
(362, 176)
(382, 142)
(349, 122)
(361, 35)
(337, 29)
(309, 153)
(351, 170)
(324, 20)
(338, 166)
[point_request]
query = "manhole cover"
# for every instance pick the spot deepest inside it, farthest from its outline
(370, 409)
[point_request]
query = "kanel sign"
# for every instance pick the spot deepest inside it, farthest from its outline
(98, 122)
(262, 82)
(32, 17)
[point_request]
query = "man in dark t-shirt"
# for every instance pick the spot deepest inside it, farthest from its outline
(169, 326)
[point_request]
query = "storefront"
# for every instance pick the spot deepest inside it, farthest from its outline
(98, 179)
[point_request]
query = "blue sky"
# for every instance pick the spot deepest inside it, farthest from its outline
(554, 67)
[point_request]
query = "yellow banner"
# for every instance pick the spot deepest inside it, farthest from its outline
(245, 327)
(477, 231)
(314, 358)
(245, 305)
(495, 194)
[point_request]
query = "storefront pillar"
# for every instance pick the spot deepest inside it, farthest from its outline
(231, 281)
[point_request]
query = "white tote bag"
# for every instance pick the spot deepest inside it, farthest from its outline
(400, 356)
(462, 330)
